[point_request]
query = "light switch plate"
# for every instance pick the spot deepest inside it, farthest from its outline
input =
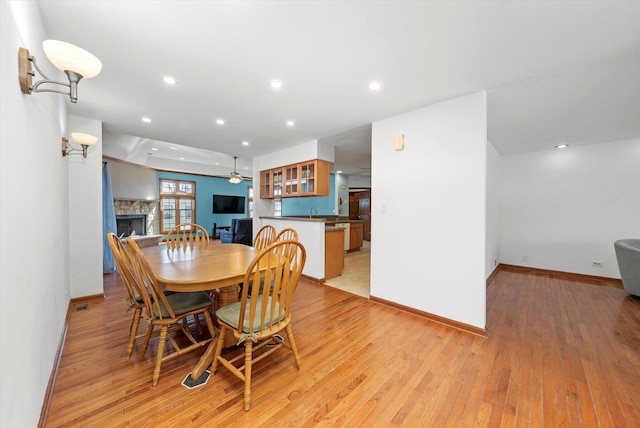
(399, 142)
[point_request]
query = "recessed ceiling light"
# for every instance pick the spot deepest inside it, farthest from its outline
(220, 121)
(181, 158)
(155, 149)
(276, 84)
(245, 143)
(375, 86)
(338, 172)
(246, 167)
(169, 80)
(561, 146)
(217, 163)
(146, 120)
(174, 148)
(290, 123)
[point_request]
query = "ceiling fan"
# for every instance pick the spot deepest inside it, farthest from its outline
(235, 175)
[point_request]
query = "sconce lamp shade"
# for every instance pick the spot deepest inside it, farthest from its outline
(68, 57)
(84, 139)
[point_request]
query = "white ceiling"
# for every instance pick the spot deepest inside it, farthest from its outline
(555, 71)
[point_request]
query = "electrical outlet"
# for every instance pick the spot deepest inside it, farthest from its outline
(525, 258)
(597, 263)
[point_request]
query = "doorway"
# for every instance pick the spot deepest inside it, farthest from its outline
(360, 209)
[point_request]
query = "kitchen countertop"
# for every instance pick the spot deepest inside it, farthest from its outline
(313, 219)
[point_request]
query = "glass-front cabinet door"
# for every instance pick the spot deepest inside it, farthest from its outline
(276, 175)
(307, 177)
(266, 189)
(291, 180)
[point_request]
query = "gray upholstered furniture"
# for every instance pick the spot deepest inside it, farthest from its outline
(628, 255)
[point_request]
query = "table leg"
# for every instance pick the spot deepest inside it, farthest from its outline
(205, 360)
(224, 296)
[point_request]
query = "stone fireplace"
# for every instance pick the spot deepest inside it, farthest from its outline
(137, 214)
(131, 224)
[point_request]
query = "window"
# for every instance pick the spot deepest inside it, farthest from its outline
(177, 203)
(277, 208)
(250, 199)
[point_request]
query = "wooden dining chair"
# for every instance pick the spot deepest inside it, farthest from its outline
(187, 234)
(169, 312)
(265, 236)
(262, 318)
(287, 234)
(134, 300)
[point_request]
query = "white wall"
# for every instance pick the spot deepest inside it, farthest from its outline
(132, 181)
(34, 231)
(311, 235)
(429, 205)
(493, 209)
(85, 213)
(562, 209)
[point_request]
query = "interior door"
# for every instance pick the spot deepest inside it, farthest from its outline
(364, 211)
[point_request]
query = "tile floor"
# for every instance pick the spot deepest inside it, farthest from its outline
(355, 276)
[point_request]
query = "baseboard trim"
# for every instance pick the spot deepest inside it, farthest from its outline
(312, 279)
(432, 317)
(48, 394)
(569, 276)
(85, 299)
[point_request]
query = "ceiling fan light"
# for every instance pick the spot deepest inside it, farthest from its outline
(235, 175)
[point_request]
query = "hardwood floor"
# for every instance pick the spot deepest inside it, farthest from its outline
(558, 352)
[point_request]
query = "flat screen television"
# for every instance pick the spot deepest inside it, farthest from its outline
(224, 204)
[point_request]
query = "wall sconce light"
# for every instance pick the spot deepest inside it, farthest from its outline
(74, 61)
(85, 140)
(235, 175)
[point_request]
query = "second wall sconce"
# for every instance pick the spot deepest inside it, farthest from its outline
(75, 62)
(85, 140)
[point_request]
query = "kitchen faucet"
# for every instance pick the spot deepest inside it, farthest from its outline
(312, 210)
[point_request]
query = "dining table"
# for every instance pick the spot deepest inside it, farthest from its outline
(215, 266)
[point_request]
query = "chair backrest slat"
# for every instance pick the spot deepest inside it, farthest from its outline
(272, 277)
(287, 234)
(148, 286)
(187, 234)
(265, 236)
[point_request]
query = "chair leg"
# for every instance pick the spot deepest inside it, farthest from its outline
(146, 338)
(163, 338)
(133, 331)
(248, 355)
(221, 335)
(292, 343)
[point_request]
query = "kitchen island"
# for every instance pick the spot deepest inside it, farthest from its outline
(312, 234)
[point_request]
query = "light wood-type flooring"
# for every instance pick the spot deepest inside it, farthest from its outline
(558, 353)
(356, 274)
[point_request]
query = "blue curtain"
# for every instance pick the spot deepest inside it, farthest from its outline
(108, 220)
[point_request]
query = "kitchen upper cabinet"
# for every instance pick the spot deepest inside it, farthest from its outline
(309, 178)
(266, 184)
